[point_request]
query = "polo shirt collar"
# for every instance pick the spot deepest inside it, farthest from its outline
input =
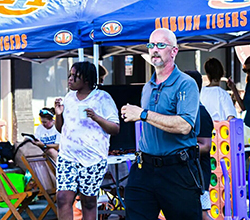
(170, 80)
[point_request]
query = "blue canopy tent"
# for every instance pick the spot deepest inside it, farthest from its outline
(199, 24)
(46, 26)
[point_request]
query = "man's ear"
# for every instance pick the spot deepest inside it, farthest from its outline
(174, 52)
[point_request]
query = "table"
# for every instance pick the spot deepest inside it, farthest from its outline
(112, 159)
(116, 161)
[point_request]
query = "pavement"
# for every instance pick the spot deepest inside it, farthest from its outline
(36, 208)
(39, 206)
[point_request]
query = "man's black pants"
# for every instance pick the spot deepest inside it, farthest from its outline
(170, 188)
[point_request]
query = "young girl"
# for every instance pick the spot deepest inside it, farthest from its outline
(46, 133)
(86, 119)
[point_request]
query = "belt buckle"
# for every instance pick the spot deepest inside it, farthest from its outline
(157, 161)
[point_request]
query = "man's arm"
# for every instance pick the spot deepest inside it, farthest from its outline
(169, 123)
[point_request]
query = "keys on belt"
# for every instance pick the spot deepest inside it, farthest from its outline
(139, 160)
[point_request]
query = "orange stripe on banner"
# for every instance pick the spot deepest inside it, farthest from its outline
(6, 11)
(36, 3)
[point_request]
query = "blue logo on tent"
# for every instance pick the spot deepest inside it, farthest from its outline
(63, 37)
(228, 4)
(111, 28)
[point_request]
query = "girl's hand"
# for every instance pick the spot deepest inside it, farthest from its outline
(59, 107)
(91, 114)
(39, 143)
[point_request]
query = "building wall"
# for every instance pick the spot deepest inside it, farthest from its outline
(186, 60)
(21, 87)
(6, 100)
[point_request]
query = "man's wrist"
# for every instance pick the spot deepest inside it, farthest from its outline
(144, 115)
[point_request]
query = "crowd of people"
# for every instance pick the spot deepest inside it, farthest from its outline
(177, 116)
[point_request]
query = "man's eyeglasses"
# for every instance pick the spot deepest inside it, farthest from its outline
(246, 70)
(158, 45)
(46, 112)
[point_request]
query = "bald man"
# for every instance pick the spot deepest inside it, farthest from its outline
(165, 176)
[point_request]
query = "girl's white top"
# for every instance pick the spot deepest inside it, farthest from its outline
(82, 139)
(47, 136)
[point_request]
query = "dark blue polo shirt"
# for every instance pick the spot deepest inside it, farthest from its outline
(177, 95)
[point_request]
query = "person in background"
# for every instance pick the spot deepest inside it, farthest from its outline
(86, 119)
(216, 100)
(165, 176)
(204, 140)
(245, 102)
(46, 133)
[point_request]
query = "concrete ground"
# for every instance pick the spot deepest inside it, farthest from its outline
(36, 208)
(39, 206)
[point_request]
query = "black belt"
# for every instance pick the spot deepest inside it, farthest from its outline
(182, 156)
(159, 161)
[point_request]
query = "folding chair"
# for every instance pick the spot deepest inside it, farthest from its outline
(23, 199)
(43, 172)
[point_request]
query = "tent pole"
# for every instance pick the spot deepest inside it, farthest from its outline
(232, 64)
(80, 54)
(96, 59)
(198, 60)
